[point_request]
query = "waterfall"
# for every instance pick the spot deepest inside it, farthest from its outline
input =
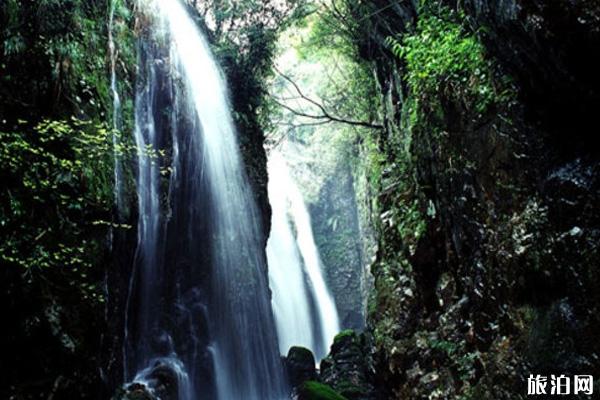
(292, 258)
(147, 274)
(199, 295)
(117, 124)
(290, 301)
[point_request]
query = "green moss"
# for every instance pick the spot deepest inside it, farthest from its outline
(345, 340)
(343, 335)
(312, 390)
(350, 390)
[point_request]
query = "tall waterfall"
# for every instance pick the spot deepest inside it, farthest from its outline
(199, 299)
(117, 124)
(305, 312)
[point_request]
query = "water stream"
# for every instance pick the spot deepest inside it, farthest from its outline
(117, 124)
(303, 305)
(198, 300)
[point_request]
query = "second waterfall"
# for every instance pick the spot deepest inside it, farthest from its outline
(305, 311)
(198, 306)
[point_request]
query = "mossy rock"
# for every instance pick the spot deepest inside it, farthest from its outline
(346, 341)
(300, 364)
(312, 390)
(301, 355)
(344, 335)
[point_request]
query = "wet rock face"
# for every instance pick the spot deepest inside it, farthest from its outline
(502, 282)
(337, 234)
(160, 382)
(163, 381)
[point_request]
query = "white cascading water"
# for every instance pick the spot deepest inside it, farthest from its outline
(290, 301)
(176, 367)
(117, 120)
(198, 301)
(295, 268)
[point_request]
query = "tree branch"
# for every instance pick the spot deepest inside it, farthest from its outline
(325, 114)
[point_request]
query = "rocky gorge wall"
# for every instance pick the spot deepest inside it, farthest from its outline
(336, 225)
(488, 217)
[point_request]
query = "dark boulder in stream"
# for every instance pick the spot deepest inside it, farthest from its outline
(300, 364)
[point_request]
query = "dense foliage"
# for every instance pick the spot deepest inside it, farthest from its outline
(57, 184)
(55, 202)
(53, 57)
(57, 195)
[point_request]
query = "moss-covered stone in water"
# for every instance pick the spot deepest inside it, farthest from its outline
(300, 364)
(313, 390)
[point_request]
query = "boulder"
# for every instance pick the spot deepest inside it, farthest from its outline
(300, 365)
